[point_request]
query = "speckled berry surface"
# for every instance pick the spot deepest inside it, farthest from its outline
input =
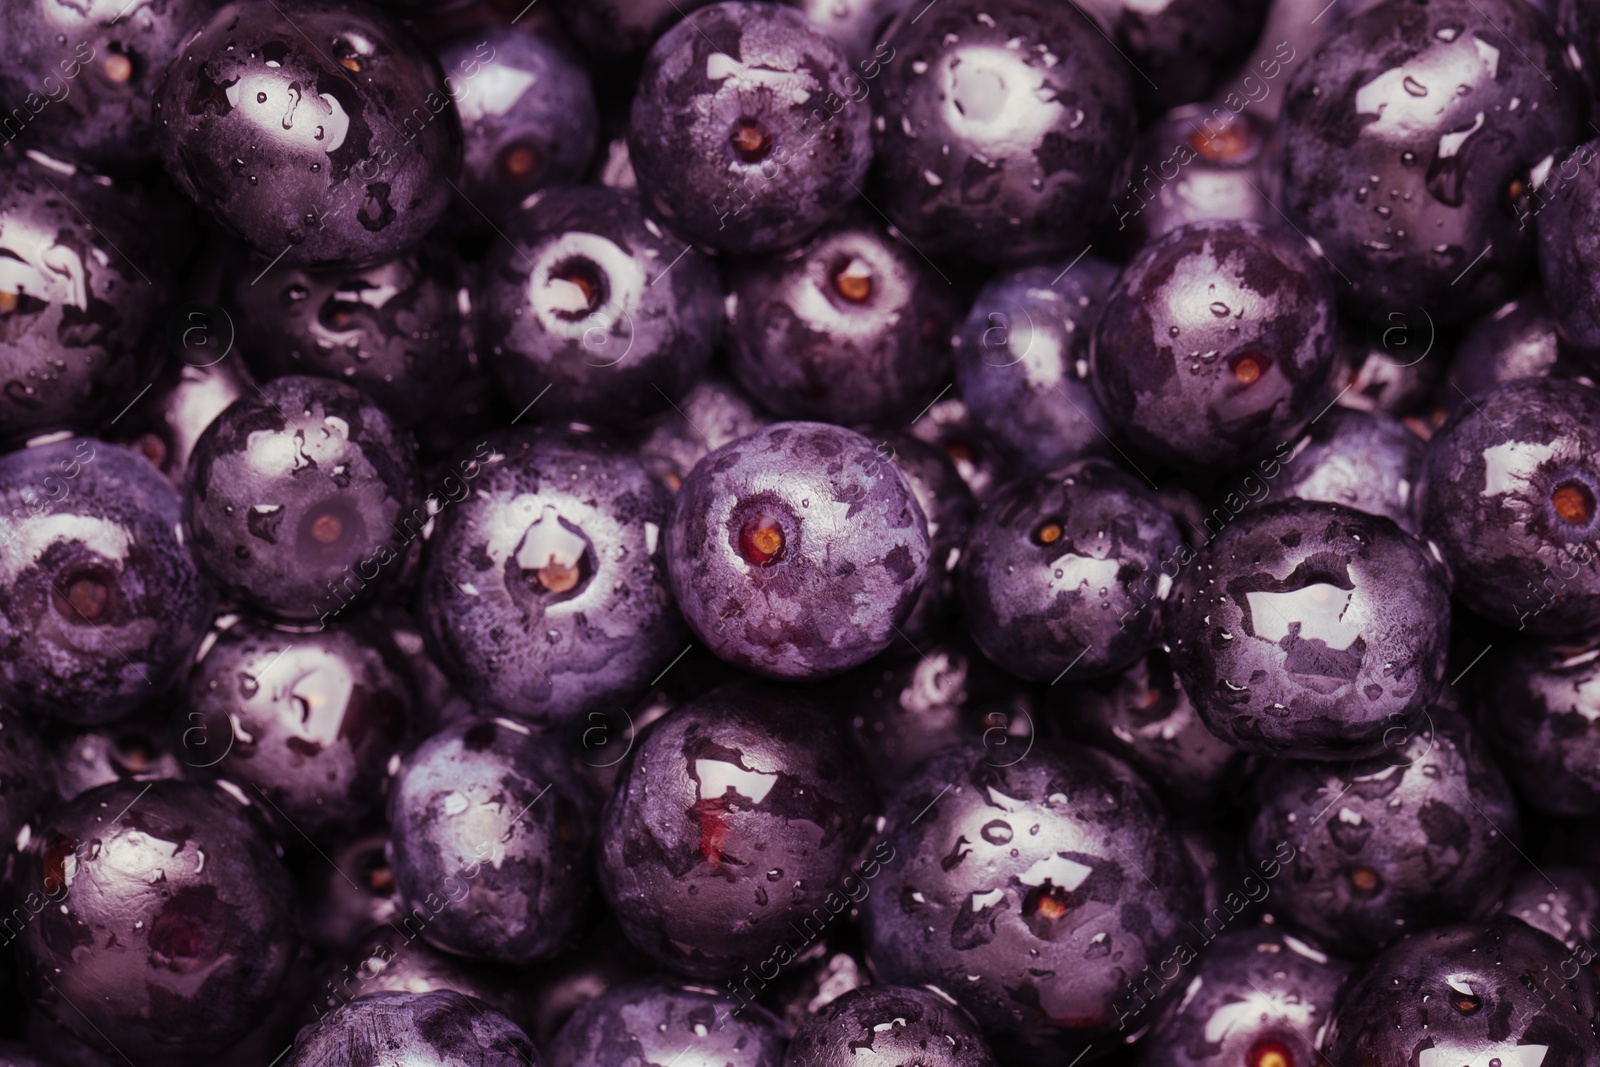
(300, 496)
(591, 311)
(1509, 495)
(1539, 703)
(486, 864)
(852, 327)
(1469, 993)
(100, 601)
(440, 1026)
(545, 589)
(1050, 878)
(310, 720)
(1216, 343)
(749, 130)
(649, 1022)
(796, 552)
(1360, 459)
(1408, 142)
(170, 921)
(1427, 832)
(1062, 576)
(1311, 630)
(1000, 128)
(733, 834)
(318, 132)
(888, 1025)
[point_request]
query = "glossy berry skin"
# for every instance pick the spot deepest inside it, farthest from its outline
(1510, 491)
(1389, 167)
(1538, 704)
(796, 551)
(441, 1027)
(888, 1025)
(191, 393)
(1519, 339)
(1254, 995)
(651, 1020)
(296, 496)
(1363, 460)
(1563, 902)
(391, 959)
(584, 300)
(1469, 993)
(83, 76)
(75, 312)
(1143, 716)
(545, 589)
(950, 426)
(722, 156)
(714, 412)
(1216, 343)
(100, 602)
(999, 134)
(1022, 364)
(1050, 920)
(355, 170)
(1064, 575)
(392, 330)
(161, 919)
(528, 116)
(1196, 164)
(27, 777)
(1312, 631)
(734, 832)
(1423, 834)
(852, 327)
(308, 720)
(138, 749)
(483, 866)
(950, 509)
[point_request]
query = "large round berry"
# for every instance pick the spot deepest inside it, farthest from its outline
(1509, 494)
(100, 602)
(733, 831)
(81, 285)
(528, 117)
(749, 130)
(310, 720)
(1363, 460)
(886, 1026)
(1258, 998)
(160, 919)
(1411, 140)
(1066, 574)
(392, 330)
(1519, 339)
(78, 78)
(485, 863)
(1216, 343)
(300, 495)
(852, 328)
(1540, 705)
(589, 302)
(1426, 833)
(658, 1020)
(796, 552)
(1311, 630)
(1029, 889)
(1471, 993)
(1022, 364)
(545, 591)
(1001, 127)
(440, 1027)
(319, 132)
